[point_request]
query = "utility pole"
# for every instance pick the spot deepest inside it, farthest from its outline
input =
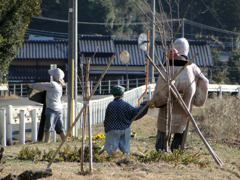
(75, 133)
(152, 42)
(72, 60)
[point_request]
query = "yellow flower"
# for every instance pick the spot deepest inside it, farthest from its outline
(68, 138)
(99, 136)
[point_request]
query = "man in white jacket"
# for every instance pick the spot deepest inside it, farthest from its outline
(190, 83)
(53, 102)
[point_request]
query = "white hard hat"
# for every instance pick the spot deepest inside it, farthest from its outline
(182, 45)
(56, 73)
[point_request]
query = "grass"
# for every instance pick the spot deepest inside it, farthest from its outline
(194, 163)
(219, 118)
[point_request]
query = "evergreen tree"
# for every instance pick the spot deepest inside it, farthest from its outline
(99, 13)
(234, 70)
(55, 9)
(219, 75)
(14, 19)
(96, 11)
(234, 65)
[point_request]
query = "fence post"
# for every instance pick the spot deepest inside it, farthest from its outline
(91, 85)
(118, 82)
(149, 92)
(238, 92)
(54, 136)
(93, 110)
(137, 82)
(220, 92)
(100, 88)
(21, 127)
(9, 125)
(109, 86)
(81, 117)
(21, 90)
(64, 116)
(3, 125)
(14, 89)
(127, 84)
(34, 125)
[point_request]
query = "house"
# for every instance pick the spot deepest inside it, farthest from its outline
(34, 58)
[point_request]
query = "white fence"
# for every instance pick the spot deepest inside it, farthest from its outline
(21, 116)
(224, 88)
(20, 89)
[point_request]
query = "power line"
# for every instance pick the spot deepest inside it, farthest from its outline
(46, 33)
(146, 23)
(59, 35)
(92, 23)
(213, 15)
(210, 27)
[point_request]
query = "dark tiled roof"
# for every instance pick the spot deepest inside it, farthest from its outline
(204, 58)
(28, 73)
(43, 50)
(137, 56)
(104, 48)
(89, 45)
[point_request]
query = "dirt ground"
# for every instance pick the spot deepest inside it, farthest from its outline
(228, 151)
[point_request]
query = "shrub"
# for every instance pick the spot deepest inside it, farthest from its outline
(30, 153)
(177, 157)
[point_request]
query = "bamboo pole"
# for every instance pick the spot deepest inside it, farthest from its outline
(80, 113)
(176, 94)
(85, 113)
(90, 139)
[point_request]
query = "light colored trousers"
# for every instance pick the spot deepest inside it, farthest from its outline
(117, 139)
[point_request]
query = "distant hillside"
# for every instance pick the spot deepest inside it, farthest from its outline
(124, 18)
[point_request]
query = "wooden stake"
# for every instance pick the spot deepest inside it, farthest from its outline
(90, 140)
(85, 97)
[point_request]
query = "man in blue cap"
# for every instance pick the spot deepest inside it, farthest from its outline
(117, 122)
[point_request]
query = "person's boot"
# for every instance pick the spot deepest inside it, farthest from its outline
(47, 137)
(62, 136)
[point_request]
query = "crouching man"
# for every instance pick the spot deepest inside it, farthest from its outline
(117, 122)
(53, 102)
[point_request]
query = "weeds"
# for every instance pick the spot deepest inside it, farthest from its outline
(220, 118)
(177, 157)
(68, 154)
(48, 155)
(73, 154)
(30, 153)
